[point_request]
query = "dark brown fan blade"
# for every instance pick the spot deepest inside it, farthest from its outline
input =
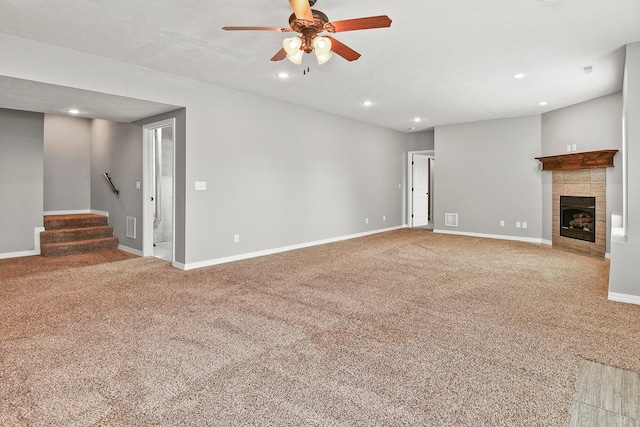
(280, 55)
(282, 30)
(381, 21)
(343, 50)
(301, 9)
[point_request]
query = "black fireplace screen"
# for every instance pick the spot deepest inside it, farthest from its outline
(578, 217)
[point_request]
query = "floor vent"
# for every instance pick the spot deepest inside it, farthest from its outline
(451, 219)
(131, 227)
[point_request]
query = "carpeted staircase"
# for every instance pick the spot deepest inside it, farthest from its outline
(74, 234)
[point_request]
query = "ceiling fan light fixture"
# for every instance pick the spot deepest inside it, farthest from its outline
(292, 46)
(322, 49)
(322, 58)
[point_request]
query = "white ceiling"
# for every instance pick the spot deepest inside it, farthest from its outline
(443, 61)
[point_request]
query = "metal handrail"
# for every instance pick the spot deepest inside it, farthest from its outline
(113, 187)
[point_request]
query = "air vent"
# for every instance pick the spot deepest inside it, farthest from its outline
(451, 219)
(131, 227)
(587, 69)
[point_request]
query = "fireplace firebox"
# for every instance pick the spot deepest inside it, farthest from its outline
(578, 217)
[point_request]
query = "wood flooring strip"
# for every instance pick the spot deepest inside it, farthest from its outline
(583, 415)
(606, 396)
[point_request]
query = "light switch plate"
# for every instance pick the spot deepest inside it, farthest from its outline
(201, 185)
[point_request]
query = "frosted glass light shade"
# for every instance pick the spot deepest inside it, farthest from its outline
(292, 46)
(322, 48)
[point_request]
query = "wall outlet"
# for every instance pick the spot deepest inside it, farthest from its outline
(574, 147)
(568, 148)
(137, 185)
(236, 238)
(384, 217)
(524, 225)
(201, 185)
(518, 225)
(502, 223)
(366, 220)
(399, 186)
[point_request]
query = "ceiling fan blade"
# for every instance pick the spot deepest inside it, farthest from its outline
(343, 50)
(281, 30)
(381, 21)
(301, 9)
(280, 55)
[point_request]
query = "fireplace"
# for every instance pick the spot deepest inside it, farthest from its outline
(578, 217)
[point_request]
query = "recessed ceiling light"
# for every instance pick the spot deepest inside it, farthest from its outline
(517, 76)
(542, 103)
(417, 119)
(367, 103)
(73, 111)
(283, 75)
(412, 128)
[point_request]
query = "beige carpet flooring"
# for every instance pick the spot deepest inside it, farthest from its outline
(401, 328)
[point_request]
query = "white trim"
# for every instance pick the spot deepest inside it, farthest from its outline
(130, 250)
(36, 239)
(240, 257)
(71, 212)
(8, 255)
(493, 236)
(147, 225)
(409, 193)
(547, 242)
(77, 212)
(607, 255)
(630, 299)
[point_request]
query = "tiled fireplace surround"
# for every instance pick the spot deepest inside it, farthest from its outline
(583, 183)
(581, 175)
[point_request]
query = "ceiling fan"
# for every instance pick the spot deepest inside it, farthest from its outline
(309, 23)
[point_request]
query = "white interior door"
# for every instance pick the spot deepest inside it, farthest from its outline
(420, 190)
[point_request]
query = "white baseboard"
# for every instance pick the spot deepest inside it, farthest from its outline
(208, 263)
(8, 255)
(630, 299)
(130, 250)
(494, 236)
(77, 212)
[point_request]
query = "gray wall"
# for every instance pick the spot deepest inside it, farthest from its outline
(116, 148)
(625, 250)
(418, 141)
(67, 152)
(273, 182)
(21, 179)
(487, 172)
(592, 125)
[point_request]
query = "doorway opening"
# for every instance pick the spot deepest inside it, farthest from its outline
(159, 190)
(420, 170)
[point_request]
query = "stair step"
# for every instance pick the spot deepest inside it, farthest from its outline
(71, 234)
(77, 247)
(59, 222)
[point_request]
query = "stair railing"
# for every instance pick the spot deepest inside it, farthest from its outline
(113, 187)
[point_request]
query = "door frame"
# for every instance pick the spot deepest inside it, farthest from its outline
(147, 191)
(431, 155)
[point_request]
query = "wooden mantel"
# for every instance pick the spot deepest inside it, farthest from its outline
(588, 160)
